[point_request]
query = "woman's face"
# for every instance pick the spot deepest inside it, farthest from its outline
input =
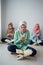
(36, 27)
(10, 26)
(23, 28)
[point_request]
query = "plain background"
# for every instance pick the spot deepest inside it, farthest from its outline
(0, 18)
(19, 10)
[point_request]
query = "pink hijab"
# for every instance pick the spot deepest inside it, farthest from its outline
(36, 29)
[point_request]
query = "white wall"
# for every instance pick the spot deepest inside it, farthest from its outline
(0, 19)
(3, 16)
(17, 10)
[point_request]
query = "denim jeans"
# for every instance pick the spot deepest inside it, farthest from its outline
(12, 48)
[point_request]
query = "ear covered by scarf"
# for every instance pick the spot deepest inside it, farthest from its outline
(36, 30)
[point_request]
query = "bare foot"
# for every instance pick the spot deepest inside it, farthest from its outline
(13, 53)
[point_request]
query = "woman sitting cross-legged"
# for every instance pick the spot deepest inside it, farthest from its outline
(9, 34)
(21, 41)
(35, 36)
